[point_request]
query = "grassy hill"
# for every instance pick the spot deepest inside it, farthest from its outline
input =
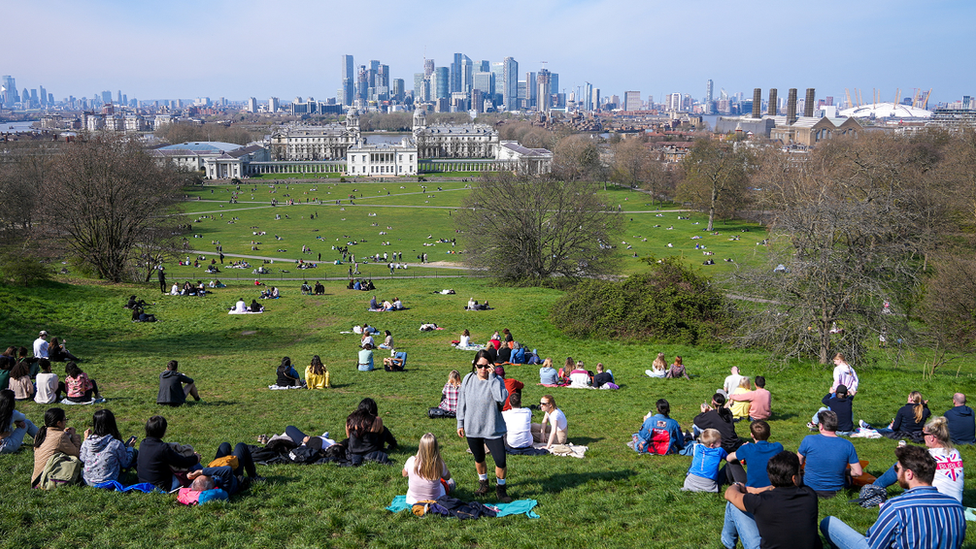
(612, 498)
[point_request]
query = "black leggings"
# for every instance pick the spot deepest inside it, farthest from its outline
(496, 445)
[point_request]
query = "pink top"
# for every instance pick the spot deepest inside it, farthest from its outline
(78, 385)
(760, 400)
(419, 488)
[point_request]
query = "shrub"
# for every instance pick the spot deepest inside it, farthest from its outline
(670, 303)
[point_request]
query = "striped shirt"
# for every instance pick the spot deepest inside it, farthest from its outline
(921, 517)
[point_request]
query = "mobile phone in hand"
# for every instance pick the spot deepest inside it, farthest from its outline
(131, 441)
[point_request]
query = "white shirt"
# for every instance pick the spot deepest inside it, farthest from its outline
(948, 472)
(367, 339)
(731, 383)
(579, 379)
(557, 419)
(40, 348)
(241, 307)
(845, 375)
(518, 423)
(465, 341)
(47, 387)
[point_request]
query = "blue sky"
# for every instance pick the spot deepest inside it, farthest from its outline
(287, 48)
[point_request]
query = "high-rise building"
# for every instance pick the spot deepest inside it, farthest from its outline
(397, 90)
(523, 102)
(421, 88)
(42, 96)
(467, 74)
(587, 97)
(531, 90)
(484, 82)
(252, 105)
(595, 100)
(674, 102)
(554, 90)
(442, 83)
(8, 88)
(510, 79)
(543, 83)
(632, 101)
(106, 97)
(498, 90)
(273, 105)
(709, 91)
(348, 80)
(428, 67)
(456, 72)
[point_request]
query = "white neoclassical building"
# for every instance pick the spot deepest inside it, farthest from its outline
(316, 143)
(471, 141)
(382, 159)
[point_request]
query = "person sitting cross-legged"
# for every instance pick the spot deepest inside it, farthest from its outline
(659, 434)
(826, 457)
(174, 387)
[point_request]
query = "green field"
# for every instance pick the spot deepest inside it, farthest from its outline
(612, 498)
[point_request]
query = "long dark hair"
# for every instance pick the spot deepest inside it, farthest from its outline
(52, 417)
(361, 421)
(103, 424)
(20, 369)
(724, 413)
(72, 369)
(7, 404)
(478, 356)
(285, 364)
(317, 367)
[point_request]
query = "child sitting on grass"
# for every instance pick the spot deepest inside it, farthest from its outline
(708, 457)
(428, 476)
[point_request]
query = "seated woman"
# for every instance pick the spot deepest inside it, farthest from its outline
(472, 305)
(386, 306)
(909, 421)
(20, 382)
(566, 370)
(388, 342)
(56, 352)
(317, 375)
(47, 384)
(658, 368)
(554, 427)
(366, 432)
(14, 425)
(579, 377)
(103, 452)
(55, 436)
(449, 394)
(78, 386)
(465, 339)
(547, 374)
(201, 288)
(175, 290)
(397, 304)
(949, 471)
(366, 358)
(427, 474)
(240, 307)
(602, 376)
(740, 409)
(219, 284)
(677, 370)
(306, 289)
(287, 376)
(274, 292)
(255, 307)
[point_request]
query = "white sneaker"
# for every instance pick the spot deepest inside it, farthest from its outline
(863, 425)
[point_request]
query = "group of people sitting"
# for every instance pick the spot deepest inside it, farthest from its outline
(475, 306)
(316, 375)
(395, 305)
(270, 293)
(137, 306)
(575, 375)
(308, 290)
(364, 285)
(660, 369)
(30, 377)
(189, 289)
(241, 307)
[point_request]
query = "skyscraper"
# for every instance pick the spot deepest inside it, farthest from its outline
(9, 85)
(510, 79)
(632, 101)
(587, 97)
(498, 82)
(531, 90)
(709, 91)
(456, 72)
(428, 67)
(543, 83)
(348, 80)
(442, 86)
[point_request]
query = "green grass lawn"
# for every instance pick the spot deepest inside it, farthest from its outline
(612, 498)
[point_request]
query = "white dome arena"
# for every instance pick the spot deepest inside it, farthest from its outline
(885, 110)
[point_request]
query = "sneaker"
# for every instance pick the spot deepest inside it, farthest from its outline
(99, 400)
(482, 488)
(901, 443)
(811, 426)
(501, 493)
(862, 424)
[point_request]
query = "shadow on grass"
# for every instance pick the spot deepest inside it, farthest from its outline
(584, 441)
(560, 482)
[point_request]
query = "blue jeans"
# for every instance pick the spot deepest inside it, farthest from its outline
(740, 526)
(13, 442)
(888, 478)
(841, 536)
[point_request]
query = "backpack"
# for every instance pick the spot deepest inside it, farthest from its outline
(434, 413)
(518, 356)
(60, 470)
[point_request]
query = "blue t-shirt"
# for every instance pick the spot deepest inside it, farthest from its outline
(707, 461)
(756, 455)
(826, 461)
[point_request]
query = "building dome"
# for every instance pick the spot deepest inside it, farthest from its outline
(885, 110)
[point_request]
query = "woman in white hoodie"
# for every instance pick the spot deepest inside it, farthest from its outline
(103, 452)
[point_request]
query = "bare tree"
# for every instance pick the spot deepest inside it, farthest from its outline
(631, 162)
(576, 158)
(846, 241)
(532, 230)
(103, 198)
(950, 299)
(714, 178)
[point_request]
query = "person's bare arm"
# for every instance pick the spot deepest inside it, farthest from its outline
(856, 469)
(735, 495)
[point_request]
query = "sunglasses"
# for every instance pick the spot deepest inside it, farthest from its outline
(482, 366)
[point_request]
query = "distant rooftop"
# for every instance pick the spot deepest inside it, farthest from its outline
(203, 147)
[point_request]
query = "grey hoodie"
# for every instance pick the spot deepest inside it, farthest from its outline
(104, 457)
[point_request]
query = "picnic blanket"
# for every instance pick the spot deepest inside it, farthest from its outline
(566, 450)
(67, 402)
(236, 312)
(517, 507)
(280, 388)
(472, 347)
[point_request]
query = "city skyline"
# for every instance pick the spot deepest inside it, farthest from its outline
(241, 49)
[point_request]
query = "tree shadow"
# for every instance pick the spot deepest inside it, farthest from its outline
(583, 441)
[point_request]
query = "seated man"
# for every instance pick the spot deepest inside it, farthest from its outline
(755, 454)
(225, 477)
(518, 423)
(157, 459)
(602, 377)
(841, 404)
(962, 428)
(319, 289)
(759, 400)
(921, 517)
(826, 457)
(373, 304)
(174, 386)
(395, 363)
(781, 515)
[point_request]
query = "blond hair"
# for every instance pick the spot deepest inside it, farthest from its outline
(428, 464)
(939, 428)
(660, 363)
(919, 409)
(710, 437)
(454, 378)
